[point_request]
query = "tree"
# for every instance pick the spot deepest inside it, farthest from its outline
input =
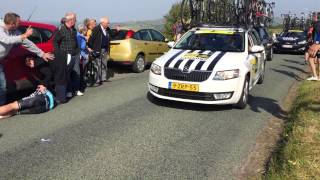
(171, 18)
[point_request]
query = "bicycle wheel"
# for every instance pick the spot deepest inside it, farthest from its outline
(90, 74)
(211, 10)
(241, 11)
(199, 12)
(186, 14)
(251, 13)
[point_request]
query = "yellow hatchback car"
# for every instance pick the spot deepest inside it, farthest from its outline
(137, 47)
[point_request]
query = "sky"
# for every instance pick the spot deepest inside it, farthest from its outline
(120, 10)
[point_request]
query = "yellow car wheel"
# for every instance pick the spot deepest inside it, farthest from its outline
(139, 64)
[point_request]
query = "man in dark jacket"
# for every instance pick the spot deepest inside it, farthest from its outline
(99, 43)
(41, 76)
(66, 52)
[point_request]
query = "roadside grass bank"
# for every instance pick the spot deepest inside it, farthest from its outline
(297, 156)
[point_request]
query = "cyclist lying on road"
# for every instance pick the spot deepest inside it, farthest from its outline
(40, 101)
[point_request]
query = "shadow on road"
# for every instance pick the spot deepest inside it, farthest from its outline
(271, 106)
(294, 62)
(186, 106)
(295, 68)
(256, 104)
(288, 73)
(115, 68)
(1, 135)
(119, 69)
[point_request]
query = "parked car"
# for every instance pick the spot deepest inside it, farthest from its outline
(210, 65)
(293, 41)
(15, 69)
(266, 40)
(137, 47)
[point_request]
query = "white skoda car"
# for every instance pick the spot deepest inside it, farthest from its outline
(210, 65)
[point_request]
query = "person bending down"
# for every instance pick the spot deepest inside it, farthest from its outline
(38, 102)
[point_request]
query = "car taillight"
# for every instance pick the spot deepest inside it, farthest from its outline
(129, 34)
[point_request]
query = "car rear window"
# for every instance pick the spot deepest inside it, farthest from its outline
(118, 35)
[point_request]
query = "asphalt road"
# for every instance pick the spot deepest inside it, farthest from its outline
(116, 132)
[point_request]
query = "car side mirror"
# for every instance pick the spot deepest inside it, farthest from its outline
(171, 44)
(256, 49)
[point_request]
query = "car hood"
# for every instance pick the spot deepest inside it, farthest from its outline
(207, 60)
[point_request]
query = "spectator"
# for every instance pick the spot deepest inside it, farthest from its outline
(177, 30)
(314, 49)
(84, 53)
(99, 43)
(41, 78)
(309, 43)
(90, 24)
(67, 55)
(9, 36)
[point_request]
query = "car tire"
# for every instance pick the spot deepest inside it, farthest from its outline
(139, 64)
(270, 55)
(243, 101)
(261, 78)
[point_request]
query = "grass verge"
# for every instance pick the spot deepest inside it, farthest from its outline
(297, 156)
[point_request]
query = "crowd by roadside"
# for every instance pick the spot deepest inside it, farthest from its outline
(60, 74)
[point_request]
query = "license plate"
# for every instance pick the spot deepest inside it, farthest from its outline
(287, 46)
(184, 87)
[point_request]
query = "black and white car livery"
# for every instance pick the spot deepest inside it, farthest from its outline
(210, 65)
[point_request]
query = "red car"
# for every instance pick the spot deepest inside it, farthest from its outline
(15, 69)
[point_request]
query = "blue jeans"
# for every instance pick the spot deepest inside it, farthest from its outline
(3, 86)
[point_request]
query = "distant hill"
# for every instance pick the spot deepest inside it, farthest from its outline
(157, 24)
(277, 20)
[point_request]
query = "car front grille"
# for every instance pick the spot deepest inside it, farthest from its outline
(186, 94)
(193, 76)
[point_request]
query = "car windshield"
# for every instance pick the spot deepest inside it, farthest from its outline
(294, 34)
(228, 42)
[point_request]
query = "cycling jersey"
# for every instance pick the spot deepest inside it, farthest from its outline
(36, 103)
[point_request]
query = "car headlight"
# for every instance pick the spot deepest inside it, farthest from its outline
(155, 69)
(225, 75)
(302, 42)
